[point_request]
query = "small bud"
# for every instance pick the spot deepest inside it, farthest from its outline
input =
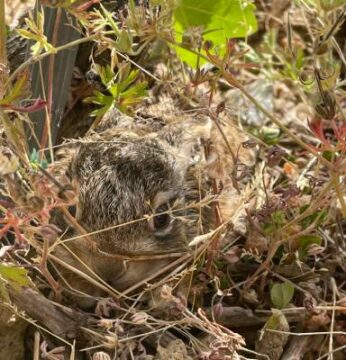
(101, 355)
(166, 292)
(208, 45)
(218, 310)
(35, 203)
(49, 232)
(110, 342)
(140, 318)
(274, 156)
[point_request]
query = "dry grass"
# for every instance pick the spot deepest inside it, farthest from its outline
(14, 9)
(268, 281)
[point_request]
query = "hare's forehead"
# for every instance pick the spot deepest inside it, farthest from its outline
(146, 158)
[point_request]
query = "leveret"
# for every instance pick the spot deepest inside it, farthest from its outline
(145, 188)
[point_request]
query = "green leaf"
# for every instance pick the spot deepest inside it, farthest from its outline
(136, 92)
(36, 161)
(126, 77)
(106, 74)
(278, 217)
(26, 34)
(105, 101)
(299, 59)
(17, 90)
(328, 5)
(14, 276)
(124, 41)
(35, 31)
(305, 241)
(281, 294)
(125, 89)
(110, 20)
(36, 48)
(269, 135)
(218, 20)
(318, 216)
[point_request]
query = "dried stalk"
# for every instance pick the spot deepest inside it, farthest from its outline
(3, 54)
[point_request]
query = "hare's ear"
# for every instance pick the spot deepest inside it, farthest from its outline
(187, 135)
(112, 119)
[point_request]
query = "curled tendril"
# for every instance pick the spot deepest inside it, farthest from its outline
(327, 72)
(306, 77)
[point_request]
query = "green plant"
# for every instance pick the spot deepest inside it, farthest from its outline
(123, 88)
(197, 21)
(281, 294)
(13, 276)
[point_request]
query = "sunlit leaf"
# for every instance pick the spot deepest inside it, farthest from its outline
(110, 20)
(328, 5)
(218, 20)
(14, 276)
(35, 32)
(124, 90)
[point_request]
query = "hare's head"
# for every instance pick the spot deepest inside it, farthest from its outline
(132, 188)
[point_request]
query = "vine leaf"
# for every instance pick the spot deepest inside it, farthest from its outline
(217, 21)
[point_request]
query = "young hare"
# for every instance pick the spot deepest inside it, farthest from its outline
(145, 188)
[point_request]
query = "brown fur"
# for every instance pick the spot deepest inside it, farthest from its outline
(128, 169)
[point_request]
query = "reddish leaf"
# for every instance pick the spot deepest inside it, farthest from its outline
(230, 46)
(339, 131)
(36, 105)
(86, 5)
(316, 126)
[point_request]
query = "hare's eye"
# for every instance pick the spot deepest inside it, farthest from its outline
(162, 219)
